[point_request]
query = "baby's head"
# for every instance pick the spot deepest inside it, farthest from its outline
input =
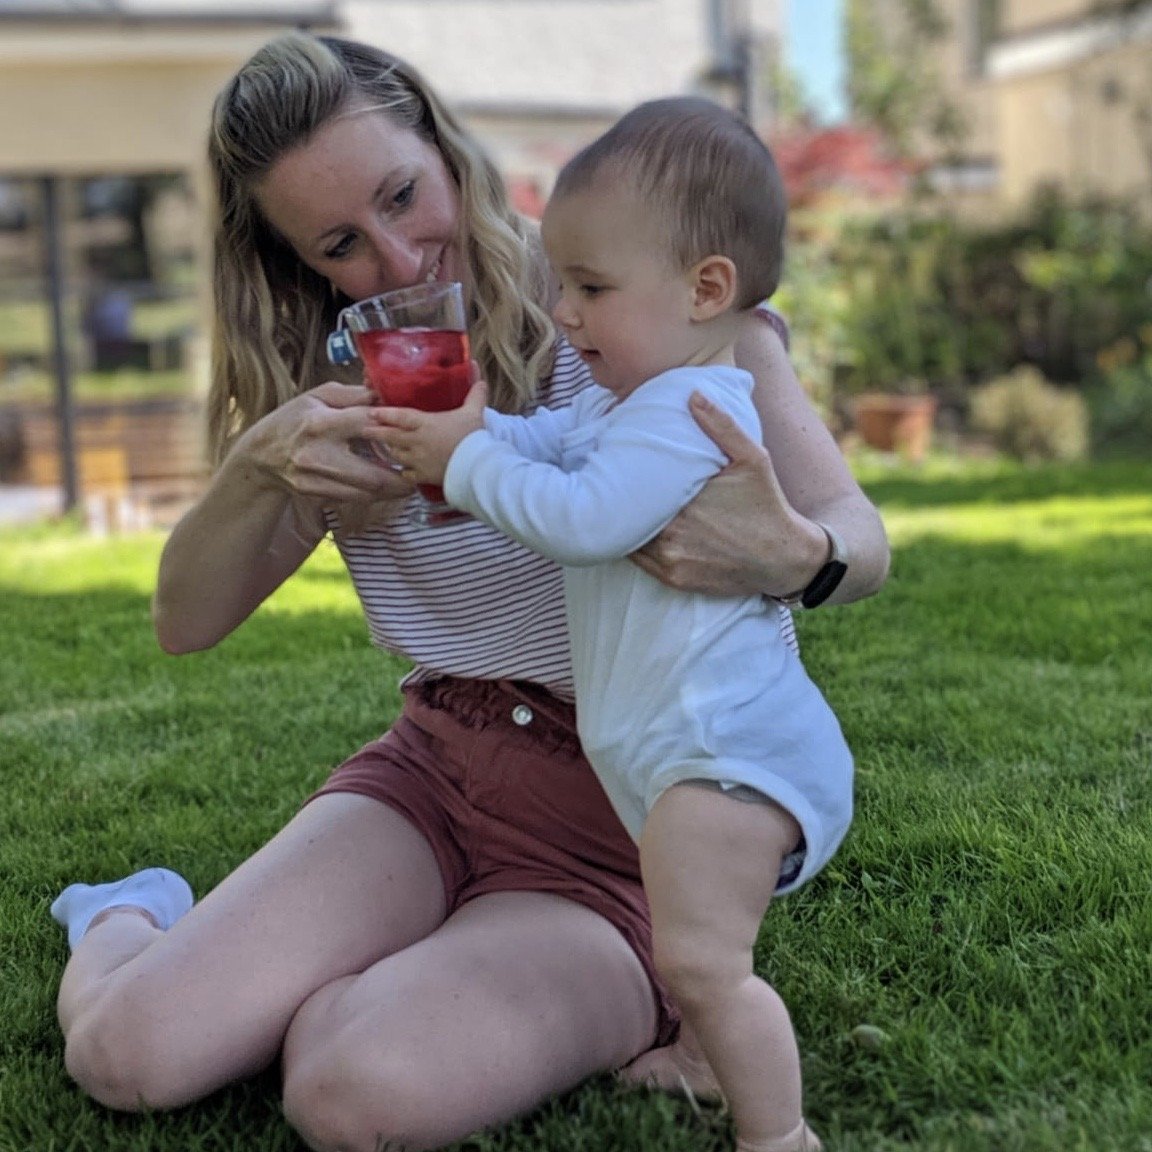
(703, 176)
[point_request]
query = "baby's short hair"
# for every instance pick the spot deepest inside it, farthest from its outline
(709, 178)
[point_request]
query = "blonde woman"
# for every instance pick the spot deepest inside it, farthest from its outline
(453, 928)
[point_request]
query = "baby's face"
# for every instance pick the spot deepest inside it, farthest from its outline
(623, 306)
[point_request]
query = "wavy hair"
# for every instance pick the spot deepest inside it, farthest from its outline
(272, 313)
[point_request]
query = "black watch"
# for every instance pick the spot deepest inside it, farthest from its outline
(827, 580)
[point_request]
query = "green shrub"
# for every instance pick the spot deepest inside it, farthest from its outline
(947, 303)
(1030, 419)
(1120, 400)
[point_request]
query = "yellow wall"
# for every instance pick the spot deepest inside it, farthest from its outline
(1025, 15)
(970, 91)
(103, 118)
(76, 99)
(1064, 125)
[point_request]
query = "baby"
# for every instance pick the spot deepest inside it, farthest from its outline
(719, 753)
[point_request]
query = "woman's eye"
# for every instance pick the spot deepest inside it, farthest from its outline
(405, 195)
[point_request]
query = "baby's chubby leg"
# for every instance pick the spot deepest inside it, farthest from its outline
(710, 865)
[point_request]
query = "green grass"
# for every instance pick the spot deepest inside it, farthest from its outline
(989, 912)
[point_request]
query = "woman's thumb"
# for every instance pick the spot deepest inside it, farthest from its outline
(477, 398)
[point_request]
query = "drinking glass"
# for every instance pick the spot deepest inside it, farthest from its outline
(413, 343)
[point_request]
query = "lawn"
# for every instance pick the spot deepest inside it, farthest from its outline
(973, 972)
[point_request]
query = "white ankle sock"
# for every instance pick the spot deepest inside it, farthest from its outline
(163, 894)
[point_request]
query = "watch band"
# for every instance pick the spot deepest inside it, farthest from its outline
(827, 579)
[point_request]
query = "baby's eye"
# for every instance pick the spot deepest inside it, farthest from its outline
(590, 290)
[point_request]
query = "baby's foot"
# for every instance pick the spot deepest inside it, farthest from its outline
(802, 1139)
(674, 1069)
(162, 895)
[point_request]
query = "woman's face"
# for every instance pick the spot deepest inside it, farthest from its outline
(367, 204)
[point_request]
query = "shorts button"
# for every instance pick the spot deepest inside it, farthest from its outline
(522, 715)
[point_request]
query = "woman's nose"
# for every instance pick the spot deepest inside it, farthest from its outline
(400, 260)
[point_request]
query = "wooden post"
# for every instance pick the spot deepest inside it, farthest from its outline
(54, 266)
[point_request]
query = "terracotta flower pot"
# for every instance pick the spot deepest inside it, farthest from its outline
(895, 423)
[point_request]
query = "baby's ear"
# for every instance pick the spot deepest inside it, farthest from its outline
(714, 287)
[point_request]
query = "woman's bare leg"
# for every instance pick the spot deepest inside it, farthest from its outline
(159, 1019)
(680, 1067)
(710, 865)
(516, 997)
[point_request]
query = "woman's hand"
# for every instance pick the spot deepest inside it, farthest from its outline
(316, 446)
(755, 528)
(739, 536)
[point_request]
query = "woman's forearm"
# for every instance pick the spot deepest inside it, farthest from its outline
(816, 482)
(237, 544)
(261, 516)
(856, 522)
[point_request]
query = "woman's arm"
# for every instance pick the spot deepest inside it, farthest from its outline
(754, 528)
(260, 517)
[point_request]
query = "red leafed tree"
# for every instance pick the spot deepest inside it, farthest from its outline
(837, 161)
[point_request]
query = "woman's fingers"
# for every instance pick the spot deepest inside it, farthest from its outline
(725, 433)
(326, 450)
(337, 395)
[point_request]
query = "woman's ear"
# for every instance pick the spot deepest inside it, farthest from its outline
(714, 287)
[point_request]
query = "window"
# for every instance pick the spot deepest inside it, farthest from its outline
(128, 284)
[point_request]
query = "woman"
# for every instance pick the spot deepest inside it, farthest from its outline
(452, 930)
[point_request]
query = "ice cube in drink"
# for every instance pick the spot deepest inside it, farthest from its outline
(423, 368)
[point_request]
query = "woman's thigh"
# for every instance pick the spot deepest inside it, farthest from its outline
(514, 998)
(347, 881)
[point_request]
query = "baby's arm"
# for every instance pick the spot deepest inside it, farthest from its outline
(651, 459)
(423, 442)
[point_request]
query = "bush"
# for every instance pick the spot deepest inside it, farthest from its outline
(1121, 399)
(945, 303)
(1030, 419)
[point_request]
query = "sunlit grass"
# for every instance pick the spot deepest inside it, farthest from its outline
(973, 971)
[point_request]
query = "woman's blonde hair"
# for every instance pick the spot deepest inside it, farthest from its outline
(272, 312)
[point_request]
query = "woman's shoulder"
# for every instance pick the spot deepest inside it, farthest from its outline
(776, 322)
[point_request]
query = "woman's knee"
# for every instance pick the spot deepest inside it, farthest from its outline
(118, 1053)
(339, 1101)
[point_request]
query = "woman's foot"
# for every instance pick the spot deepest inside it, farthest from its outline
(802, 1139)
(159, 894)
(674, 1069)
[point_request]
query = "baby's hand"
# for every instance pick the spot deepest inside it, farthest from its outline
(422, 443)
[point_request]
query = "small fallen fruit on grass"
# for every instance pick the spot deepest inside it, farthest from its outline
(869, 1036)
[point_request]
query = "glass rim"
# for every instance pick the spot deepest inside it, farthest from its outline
(427, 290)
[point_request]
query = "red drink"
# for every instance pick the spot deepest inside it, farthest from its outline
(425, 368)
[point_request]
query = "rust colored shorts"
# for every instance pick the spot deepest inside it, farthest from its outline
(492, 775)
